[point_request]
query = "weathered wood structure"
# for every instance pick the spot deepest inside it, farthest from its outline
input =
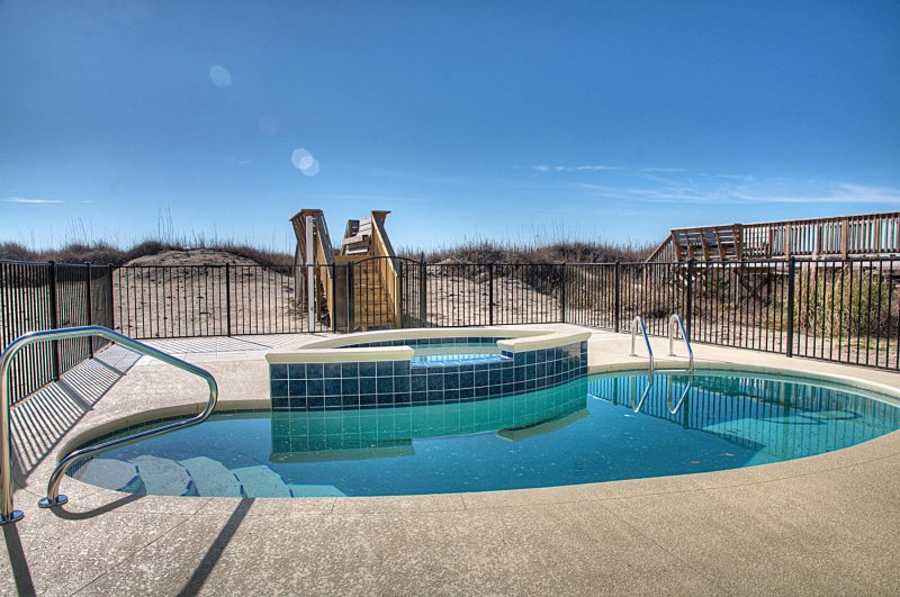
(866, 235)
(358, 285)
(753, 255)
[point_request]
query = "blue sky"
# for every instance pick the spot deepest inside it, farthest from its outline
(505, 120)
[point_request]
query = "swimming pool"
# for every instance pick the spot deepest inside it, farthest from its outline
(583, 431)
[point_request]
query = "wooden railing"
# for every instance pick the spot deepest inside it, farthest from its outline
(387, 267)
(865, 235)
(860, 235)
(324, 261)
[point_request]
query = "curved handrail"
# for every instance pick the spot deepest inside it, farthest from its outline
(636, 324)
(676, 321)
(54, 498)
(636, 406)
(687, 389)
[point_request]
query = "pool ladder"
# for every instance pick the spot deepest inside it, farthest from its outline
(7, 512)
(676, 324)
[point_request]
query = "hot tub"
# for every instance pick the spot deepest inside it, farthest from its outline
(413, 367)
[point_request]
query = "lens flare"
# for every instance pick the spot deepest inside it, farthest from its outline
(304, 162)
(220, 76)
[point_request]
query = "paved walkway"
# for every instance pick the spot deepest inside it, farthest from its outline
(829, 524)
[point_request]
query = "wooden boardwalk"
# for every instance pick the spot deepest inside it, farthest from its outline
(843, 237)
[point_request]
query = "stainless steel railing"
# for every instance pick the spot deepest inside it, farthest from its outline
(675, 322)
(7, 512)
(638, 324)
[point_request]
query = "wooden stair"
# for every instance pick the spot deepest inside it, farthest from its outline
(371, 304)
(367, 254)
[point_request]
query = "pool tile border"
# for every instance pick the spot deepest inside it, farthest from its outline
(380, 384)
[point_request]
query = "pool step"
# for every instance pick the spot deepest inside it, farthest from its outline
(315, 491)
(212, 478)
(261, 481)
(162, 476)
(107, 472)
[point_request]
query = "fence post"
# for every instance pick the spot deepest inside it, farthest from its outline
(490, 294)
(227, 299)
(562, 293)
(790, 314)
(350, 297)
(423, 294)
(399, 293)
(54, 321)
(90, 308)
(617, 305)
(334, 325)
(112, 306)
(689, 302)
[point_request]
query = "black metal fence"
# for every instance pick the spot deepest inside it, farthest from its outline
(845, 311)
(39, 296)
(184, 301)
(839, 310)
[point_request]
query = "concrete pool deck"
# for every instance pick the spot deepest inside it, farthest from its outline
(828, 524)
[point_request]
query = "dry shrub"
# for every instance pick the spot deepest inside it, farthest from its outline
(833, 303)
(103, 253)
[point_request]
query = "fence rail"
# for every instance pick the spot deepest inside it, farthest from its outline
(40, 296)
(841, 310)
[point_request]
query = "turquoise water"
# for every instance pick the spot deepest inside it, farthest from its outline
(584, 431)
(456, 354)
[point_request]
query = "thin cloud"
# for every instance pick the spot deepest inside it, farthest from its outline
(32, 201)
(839, 193)
(601, 168)
(774, 191)
(374, 198)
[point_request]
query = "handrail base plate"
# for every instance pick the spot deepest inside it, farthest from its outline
(13, 518)
(47, 503)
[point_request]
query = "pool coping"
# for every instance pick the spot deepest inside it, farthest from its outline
(793, 526)
(334, 350)
(91, 433)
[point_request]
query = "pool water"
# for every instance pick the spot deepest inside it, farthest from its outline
(580, 432)
(456, 354)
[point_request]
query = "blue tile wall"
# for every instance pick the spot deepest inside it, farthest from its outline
(314, 386)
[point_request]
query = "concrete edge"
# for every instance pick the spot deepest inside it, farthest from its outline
(414, 333)
(324, 351)
(549, 340)
(344, 355)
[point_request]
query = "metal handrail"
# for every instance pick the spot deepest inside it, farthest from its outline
(687, 389)
(638, 324)
(54, 498)
(636, 406)
(676, 321)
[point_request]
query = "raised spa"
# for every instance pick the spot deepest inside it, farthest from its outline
(581, 431)
(391, 369)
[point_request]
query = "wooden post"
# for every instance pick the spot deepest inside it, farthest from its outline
(845, 237)
(787, 240)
